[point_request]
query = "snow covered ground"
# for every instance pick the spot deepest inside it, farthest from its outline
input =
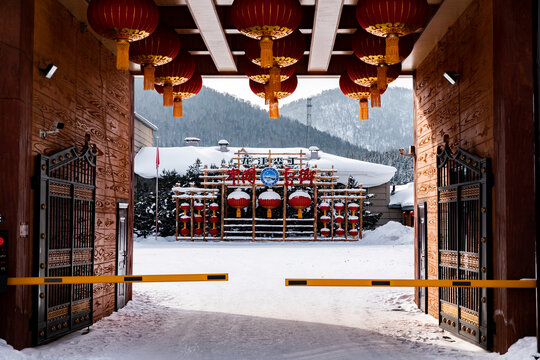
(254, 316)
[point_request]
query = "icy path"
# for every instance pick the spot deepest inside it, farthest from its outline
(254, 316)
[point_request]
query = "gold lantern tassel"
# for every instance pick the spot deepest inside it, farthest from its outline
(149, 71)
(238, 212)
(364, 109)
(299, 213)
(177, 108)
(275, 79)
(268, 94)
(122, 55)
(274, 109)
(168, 99)
(392, 49)
(266, 52)
(269, 213)
(375, 96)
(381, 76)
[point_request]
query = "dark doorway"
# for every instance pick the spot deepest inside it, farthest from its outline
(121, 251)
(421, 245)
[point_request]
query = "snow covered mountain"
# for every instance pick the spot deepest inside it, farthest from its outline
(388, 127)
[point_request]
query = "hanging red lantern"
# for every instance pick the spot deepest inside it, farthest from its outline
(213, 231)
(353, 232)
(198, 231)
(214, 207)
(339, 206)
(157, 49)
(183, 91)
(287, 88)
(371, 50)
(325, 232)
(269, 200)
(299, 200)
(214, 219)
(238, 199)
(356, 92)
(198, 206)
(325, 219)
(340, 231)
(353, 207)
(263, 76)
(197, 218)
(391, 19)
(339, 219)
(324, 207)
(123, 21)
(366, 75)
(266, 20)
(185, 219)
(184, 231)
(185, 206)
(353, 219)
(176, 72)
(286, 52)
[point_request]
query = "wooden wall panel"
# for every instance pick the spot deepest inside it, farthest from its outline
(463, 111)
(88, 95)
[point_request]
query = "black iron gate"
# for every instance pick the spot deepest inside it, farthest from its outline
(65, 229)
(464, 213)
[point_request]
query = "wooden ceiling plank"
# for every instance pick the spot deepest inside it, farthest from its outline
(207, 20)
(325, 27)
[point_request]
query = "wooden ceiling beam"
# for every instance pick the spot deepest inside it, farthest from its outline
(325, 26)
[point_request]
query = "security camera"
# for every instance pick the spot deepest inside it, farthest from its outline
(57, 127)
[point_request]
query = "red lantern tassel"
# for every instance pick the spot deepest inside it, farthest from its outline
(238, 212)
(149, 76)
(274, 109)
(364, 109)
(267, 59)
(375, 96)
(392, 49)
(268, 94)
(168, 98)
(177, 108)
(122, 55)
(299, 213)
(381, 76)
(269, 213)
(275, 79)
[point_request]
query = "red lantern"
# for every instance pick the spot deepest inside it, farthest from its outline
(357, 92)
(198, 206)
(198, 231)
(353, 219)
(391, 19)
(299, 200)
(214, 219)
(325, 219)
(353, 232)
(286, 52)
(197, 218)
(340, 231)
(339, 206)
(325, 232)
(184, 231)
(156, 50)
(366, 75)
(263, 76)
(123, 21)
(214, 207)
(185, 219)
(266, 20)
(238, 200)
(174, 73)
(324, 206)
(269, 200)
(185, 206)
(371, 50)
(183, 91)
(353, 207)
(339, 219)
(287, 88)
(213, 231)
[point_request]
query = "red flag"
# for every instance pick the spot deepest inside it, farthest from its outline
(157, 154)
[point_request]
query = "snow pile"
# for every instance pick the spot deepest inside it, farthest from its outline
(403, 195)
(391, 233)
(181, 158)
(523, 349)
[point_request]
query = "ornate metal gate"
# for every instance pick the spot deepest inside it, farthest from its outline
(65, 228)
(464, 213)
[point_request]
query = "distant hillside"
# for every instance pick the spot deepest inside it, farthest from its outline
(212, 116)
(388, 127)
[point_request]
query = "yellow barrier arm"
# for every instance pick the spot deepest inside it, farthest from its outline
(63, 280)
(518, 284)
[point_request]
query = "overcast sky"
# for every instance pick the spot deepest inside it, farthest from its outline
(307, 87)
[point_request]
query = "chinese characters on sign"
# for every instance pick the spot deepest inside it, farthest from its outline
(289, 176)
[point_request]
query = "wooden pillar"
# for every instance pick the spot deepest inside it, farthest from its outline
(253, 204)
(513, 169)
(177, 209)
(16, 47)
(536, 47)
(284, 210)
(315, 205)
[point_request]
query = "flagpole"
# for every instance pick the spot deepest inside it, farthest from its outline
(157, 181)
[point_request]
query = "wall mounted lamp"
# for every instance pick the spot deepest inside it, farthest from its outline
(452, 77)
(57, 127)
(49, 71)
(412, 151)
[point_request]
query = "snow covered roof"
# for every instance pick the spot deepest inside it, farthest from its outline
(403, 197)
(181, 158)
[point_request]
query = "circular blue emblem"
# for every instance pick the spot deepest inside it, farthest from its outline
(269, 176)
